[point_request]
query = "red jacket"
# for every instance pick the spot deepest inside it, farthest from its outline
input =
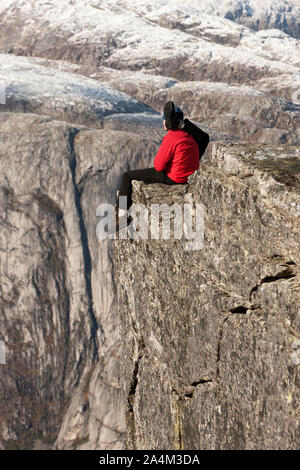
(178, 155)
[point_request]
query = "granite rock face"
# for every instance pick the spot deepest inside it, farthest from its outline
(58, 307)
(58, 304)
(211, 336)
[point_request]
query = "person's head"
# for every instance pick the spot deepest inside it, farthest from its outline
(172, 116)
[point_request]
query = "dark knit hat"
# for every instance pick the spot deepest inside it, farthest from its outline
(172, 115)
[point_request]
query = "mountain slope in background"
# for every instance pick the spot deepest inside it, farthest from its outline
(141, 46)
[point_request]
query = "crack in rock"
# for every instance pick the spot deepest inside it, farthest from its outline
(131, 395)
(239, 309)
(194, 385)
(178, 444)
(85, 246)
(284, 274)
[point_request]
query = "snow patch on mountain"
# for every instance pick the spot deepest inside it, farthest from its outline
(274, 45)
(256, 14)
(25, 78)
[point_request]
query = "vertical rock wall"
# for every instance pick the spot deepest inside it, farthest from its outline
(57, 293)
(211, 337)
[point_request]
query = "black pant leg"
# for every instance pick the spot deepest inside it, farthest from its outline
(167, 180)
(148, 175)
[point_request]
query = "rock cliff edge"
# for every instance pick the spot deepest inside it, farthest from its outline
(211, 337)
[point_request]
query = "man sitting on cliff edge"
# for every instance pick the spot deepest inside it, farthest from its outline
(177, 158)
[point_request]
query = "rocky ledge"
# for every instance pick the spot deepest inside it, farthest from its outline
(211, 336)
